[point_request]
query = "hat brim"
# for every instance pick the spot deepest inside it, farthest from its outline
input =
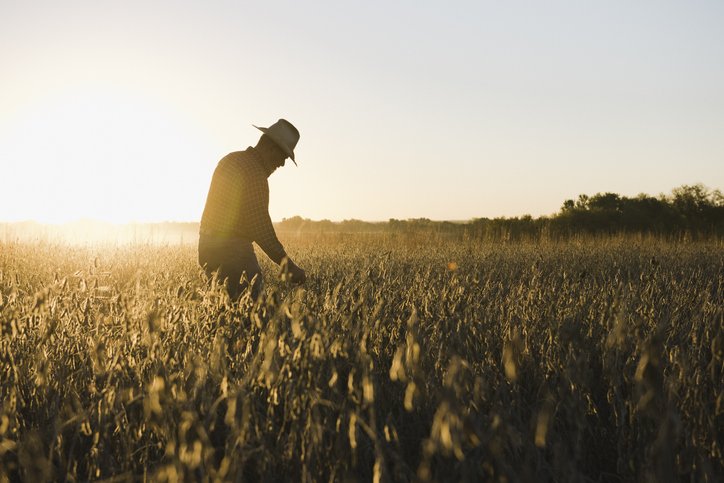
(286, 150)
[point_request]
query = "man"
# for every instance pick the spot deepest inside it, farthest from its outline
(237, 213)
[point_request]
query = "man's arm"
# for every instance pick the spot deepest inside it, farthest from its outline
(261, 226)
(266, 238)
(263, 233)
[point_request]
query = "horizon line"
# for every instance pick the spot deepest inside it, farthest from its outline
(183, 222)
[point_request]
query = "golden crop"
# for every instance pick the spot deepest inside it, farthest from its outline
(399, 359)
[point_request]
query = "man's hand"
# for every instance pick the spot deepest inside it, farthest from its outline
(298, 274)
(292, 273)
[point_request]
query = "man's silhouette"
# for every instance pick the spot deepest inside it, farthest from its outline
(237, 212)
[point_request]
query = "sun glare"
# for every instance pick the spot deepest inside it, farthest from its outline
(103, 155)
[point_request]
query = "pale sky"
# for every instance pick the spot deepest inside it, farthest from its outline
(119, 111)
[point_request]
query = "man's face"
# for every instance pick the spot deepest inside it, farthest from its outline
(279, 158)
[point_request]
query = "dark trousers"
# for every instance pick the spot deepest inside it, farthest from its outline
(234, 261)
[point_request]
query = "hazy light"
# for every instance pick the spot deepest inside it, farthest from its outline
(106, 155)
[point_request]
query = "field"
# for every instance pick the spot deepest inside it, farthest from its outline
(401, 359)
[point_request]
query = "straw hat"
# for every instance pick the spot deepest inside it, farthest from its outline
(284, 134)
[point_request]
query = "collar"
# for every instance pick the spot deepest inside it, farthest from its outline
(263, 162)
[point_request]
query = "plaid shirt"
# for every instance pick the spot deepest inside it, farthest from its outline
(237, 205)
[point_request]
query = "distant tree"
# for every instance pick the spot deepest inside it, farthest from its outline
(690, 199)
(717, 198)
(605, 202)
(582, 202)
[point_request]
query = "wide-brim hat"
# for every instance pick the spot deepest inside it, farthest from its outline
(284, 135)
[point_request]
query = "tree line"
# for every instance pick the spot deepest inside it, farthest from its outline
(688, 211)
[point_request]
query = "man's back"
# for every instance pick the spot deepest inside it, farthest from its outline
(237, 181)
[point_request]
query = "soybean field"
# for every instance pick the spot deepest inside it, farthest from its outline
(403, 358)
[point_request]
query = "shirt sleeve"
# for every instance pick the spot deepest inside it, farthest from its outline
(260, 223)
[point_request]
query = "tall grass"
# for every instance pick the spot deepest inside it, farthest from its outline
(400, 359)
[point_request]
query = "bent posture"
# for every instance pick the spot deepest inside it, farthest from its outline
(237, 213)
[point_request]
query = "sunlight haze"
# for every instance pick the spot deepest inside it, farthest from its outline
(445, 110)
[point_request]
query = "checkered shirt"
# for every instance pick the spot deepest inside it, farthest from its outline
(237, 205)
